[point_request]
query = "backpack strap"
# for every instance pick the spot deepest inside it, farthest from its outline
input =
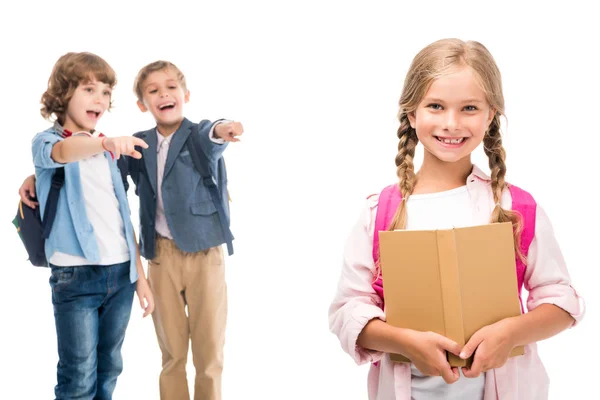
(58, 180)
(389, 200)
(524, 204)
(123, 165)
(202, 165)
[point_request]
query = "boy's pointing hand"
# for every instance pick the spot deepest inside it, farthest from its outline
(229, 131)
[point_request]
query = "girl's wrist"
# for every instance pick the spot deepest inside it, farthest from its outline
(405, 340)
(512, 326)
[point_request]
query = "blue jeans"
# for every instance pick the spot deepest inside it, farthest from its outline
(92, 306)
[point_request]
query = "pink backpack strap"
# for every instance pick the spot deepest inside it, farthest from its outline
(524, 204)
(389, 200)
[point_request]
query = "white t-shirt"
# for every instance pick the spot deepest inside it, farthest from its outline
(102, 208)
(443, 210)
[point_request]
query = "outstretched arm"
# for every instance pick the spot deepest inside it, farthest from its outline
(215, 137)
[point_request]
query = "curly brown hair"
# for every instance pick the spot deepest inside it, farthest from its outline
(70, 71)
(160, 65)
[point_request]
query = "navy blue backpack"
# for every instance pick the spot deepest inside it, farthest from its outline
(32, 231)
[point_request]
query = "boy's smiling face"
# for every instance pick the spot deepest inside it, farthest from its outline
(89, 102)
(164, 96)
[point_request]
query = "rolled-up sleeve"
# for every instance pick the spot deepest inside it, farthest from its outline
(356, 302)
(547, 279)
(41, 149)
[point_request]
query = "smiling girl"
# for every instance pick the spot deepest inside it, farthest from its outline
(451, 103)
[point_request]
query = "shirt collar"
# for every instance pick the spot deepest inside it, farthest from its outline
(65, 133)
(478, 173)
(161, 139)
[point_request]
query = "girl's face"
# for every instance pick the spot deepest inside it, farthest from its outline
(453, 117)
(89, 102)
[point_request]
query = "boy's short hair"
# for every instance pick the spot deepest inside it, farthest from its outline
(155, 66)
(70, 70)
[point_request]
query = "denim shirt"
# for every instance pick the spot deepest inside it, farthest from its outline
(72, 233)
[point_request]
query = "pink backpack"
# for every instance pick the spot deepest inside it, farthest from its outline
(522, 202)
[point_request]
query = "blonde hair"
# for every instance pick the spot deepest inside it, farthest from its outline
(68, 72)
(438, 59)
(160, 65)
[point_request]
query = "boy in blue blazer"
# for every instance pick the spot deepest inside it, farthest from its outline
(181, 233)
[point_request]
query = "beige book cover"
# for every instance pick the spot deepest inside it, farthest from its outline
(452, 282)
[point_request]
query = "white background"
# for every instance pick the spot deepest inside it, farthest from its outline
(316, 86)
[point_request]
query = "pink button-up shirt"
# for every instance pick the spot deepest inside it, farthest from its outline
(356, 303)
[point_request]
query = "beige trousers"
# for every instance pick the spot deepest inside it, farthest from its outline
(196, 281)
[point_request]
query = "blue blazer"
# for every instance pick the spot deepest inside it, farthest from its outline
(191, 215)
